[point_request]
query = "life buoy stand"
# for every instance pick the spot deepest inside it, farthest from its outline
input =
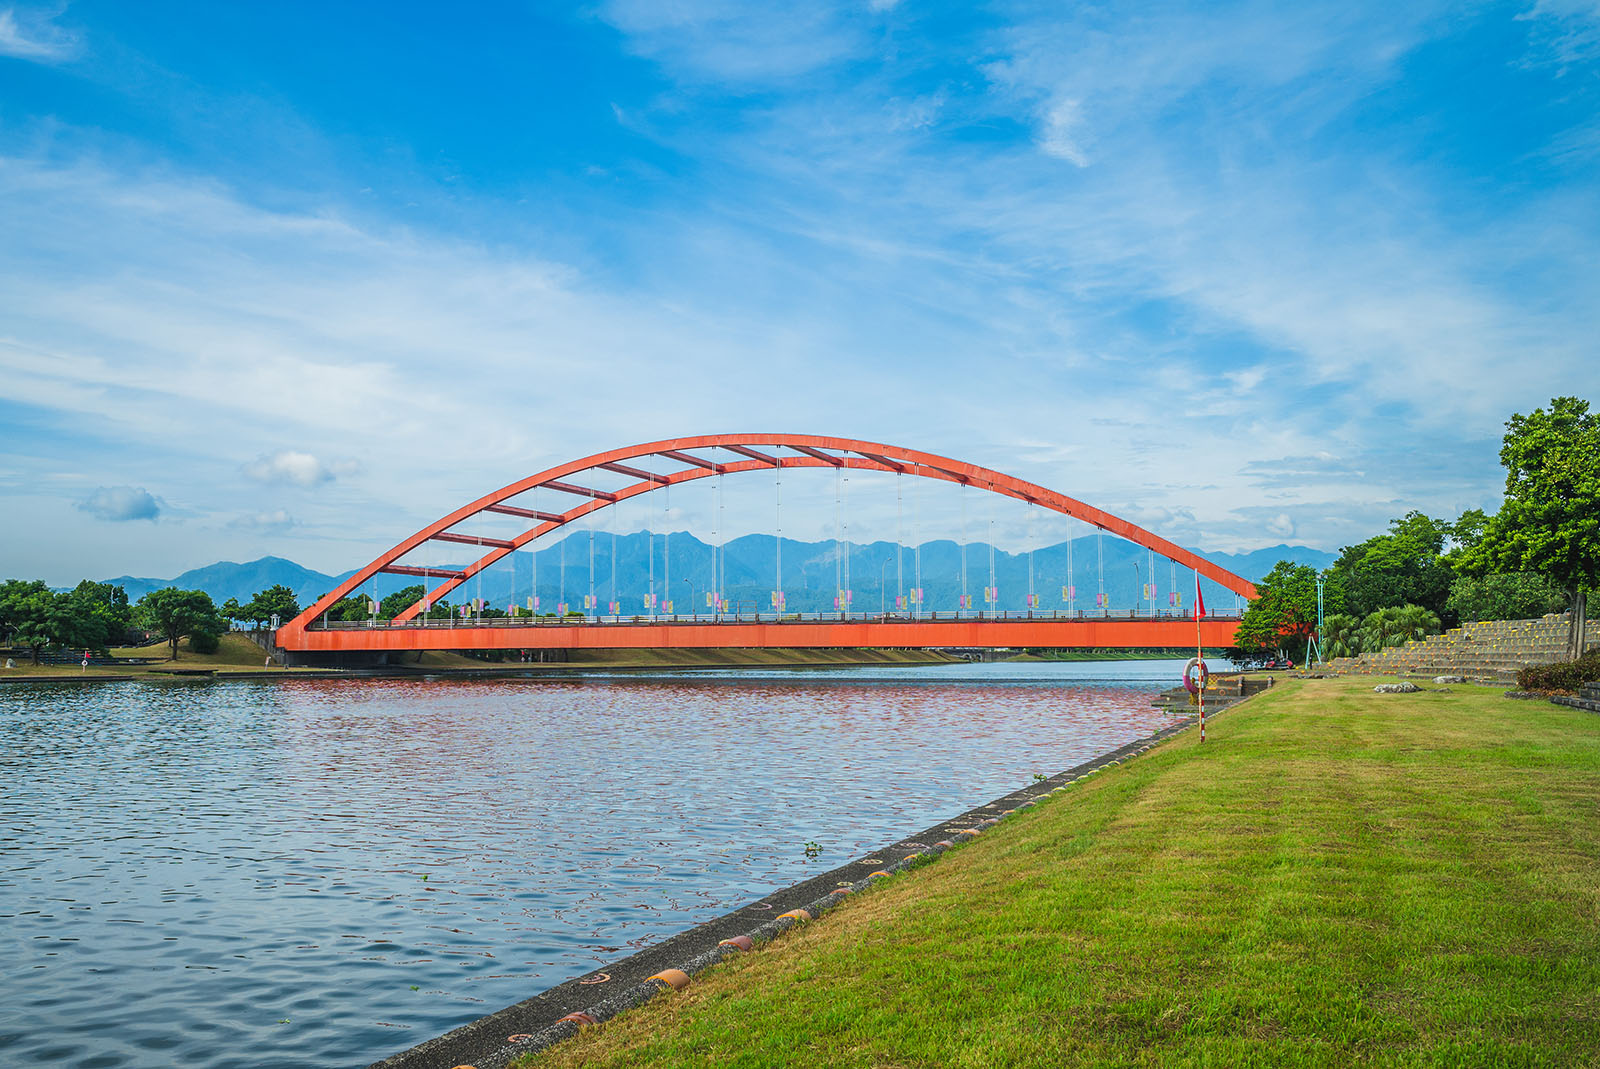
(1194, 681)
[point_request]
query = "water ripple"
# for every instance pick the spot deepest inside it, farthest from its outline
(325, 871)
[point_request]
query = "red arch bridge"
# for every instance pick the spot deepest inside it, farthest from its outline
(656, 466)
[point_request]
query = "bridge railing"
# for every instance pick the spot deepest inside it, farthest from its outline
(970, 615)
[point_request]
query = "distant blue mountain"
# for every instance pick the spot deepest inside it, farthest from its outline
(812, 572)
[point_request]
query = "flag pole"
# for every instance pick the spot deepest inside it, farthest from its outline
(1199, 655)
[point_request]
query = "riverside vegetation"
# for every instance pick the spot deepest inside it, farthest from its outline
(1538, 554)
(1336, 877)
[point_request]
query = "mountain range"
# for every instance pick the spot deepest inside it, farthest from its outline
(812, 573)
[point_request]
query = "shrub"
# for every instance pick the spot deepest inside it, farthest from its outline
(203, 642)
(1563, 675)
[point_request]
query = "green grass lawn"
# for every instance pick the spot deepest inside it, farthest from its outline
(1337, 877)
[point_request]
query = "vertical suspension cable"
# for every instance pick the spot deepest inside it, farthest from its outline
(666, 544)
(777, 546)
(1032, 541)
(719, 556)
(650, 557)
(963, 603)
(561, 591)
(1151, 558)
(839, 544)
(593, 605)
(1100, 551)
(899, 543)
(916, 550)
(533, 605)
(993, 592)
(1072, 591)
(616, 522)
(849, 591)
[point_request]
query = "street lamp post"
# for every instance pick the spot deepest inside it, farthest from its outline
(883, 599)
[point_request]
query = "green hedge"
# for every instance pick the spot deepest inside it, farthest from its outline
(1563, 675)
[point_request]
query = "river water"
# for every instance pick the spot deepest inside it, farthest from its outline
(323, 872)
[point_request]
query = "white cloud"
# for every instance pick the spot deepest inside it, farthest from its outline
(1281, 525)
(31, 36)
(292, 466)
(120, 504)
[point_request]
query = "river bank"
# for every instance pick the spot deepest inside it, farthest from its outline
(1337, 876)
(237, 657)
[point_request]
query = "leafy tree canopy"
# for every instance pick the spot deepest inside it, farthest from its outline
(1404, 566)
(1505, 596)
(277, 600)
(1283, 614)
(174, 613)
(1550, 521)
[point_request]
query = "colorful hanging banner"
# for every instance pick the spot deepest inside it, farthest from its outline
(667, 607)
(1102, 601)
(1068, 593)
(778, 600)
(616, 608)
(533, 603)
(1175, 599)
(1149, 592)
(561, 608)
(649, 601)
(590, 601)
(964, 601)
(916, 595)
(899, 601)
(846, 596)
(1033, 601)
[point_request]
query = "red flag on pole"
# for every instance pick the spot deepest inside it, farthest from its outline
(1199, 599)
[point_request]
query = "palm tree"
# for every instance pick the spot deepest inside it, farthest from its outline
(1341, 636)
(1397, 625)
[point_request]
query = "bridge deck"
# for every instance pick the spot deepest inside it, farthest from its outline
(867, 633)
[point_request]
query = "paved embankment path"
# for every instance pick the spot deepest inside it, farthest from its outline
(1336, 877)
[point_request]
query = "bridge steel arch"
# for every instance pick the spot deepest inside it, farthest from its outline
(756, 452)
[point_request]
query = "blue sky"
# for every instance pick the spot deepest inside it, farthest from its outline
(297, 279)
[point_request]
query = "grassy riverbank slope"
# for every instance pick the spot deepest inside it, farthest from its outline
(1337, 876)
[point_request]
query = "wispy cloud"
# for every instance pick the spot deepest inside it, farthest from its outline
(273, 522)
(28, 34)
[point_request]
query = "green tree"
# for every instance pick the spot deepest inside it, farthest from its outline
(1550, 521)
(35, 616)
(232, 610)
(1504, 596)
(277, 600)
(174, 613)
(1283, 614)
(101, 614)
(1404, 566)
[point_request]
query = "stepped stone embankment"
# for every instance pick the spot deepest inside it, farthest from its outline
(1489, 651)
(1587, 698)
